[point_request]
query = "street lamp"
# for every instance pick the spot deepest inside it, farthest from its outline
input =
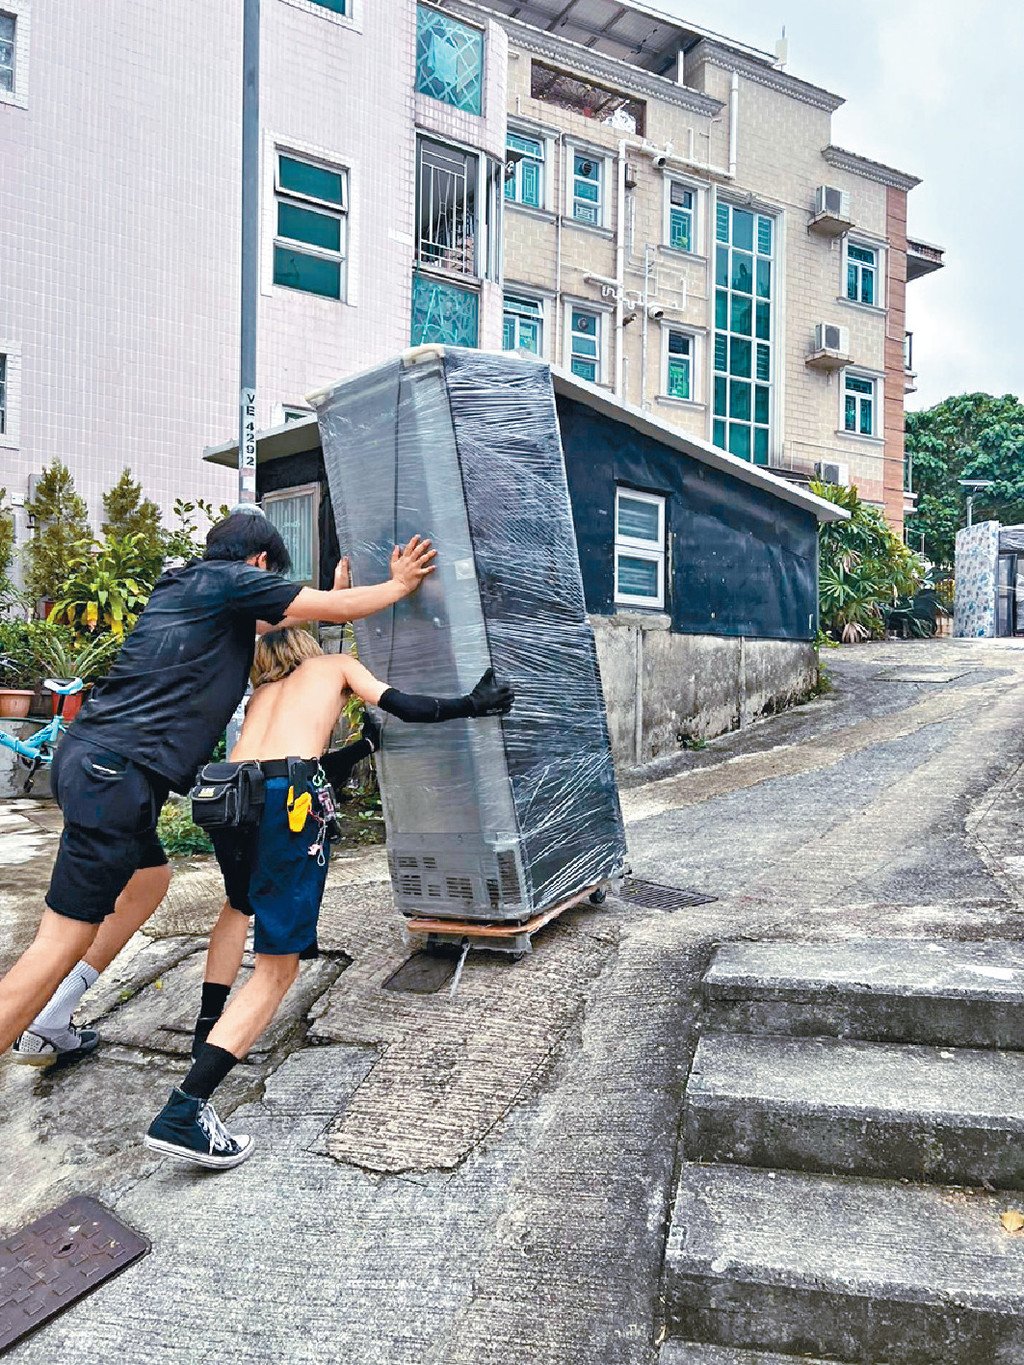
(971, 485)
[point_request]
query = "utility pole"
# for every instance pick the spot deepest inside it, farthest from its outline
(250, 250)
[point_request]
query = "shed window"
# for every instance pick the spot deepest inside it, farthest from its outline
(294, 513)
(639, 549)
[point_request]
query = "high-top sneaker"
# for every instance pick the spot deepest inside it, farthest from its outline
(190, 1130)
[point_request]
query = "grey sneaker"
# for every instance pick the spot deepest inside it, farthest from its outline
(35, 1049)
(190, 1130)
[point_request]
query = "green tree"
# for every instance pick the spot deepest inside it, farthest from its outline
(968, 436)
(128, 513)
(6, 544)
(62, 538)
(864, 567)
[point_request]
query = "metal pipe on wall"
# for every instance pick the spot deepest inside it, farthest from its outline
(250, 250)
(620, 265)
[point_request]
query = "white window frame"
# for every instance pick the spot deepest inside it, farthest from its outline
(10, 437)
(21, 12)
(541, 317)
(326, 207)
(586, 306)
(877, 405)
(544, 161)
(302, 490)
(572, 151)
(697, 214)
(879, 268)
(694, 339)
(481, 225)
(635, 548)
(352, 18)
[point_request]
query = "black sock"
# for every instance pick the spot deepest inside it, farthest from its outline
(208, 1070)
(215, 997)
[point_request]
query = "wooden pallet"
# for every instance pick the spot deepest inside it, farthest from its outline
(508, 938)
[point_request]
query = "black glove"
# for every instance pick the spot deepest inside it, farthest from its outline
(490, 698)
(371, 730)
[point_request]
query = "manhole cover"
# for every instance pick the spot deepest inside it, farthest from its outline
(651, 896)
(58, 1259)
(426, 971)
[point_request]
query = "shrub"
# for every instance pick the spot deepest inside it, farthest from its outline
(108, 588)
(178, 834)
(62, 536)
(27, 645)
(128, 513)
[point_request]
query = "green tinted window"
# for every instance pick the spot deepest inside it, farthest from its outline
(312, 274)
(743, 311)
(449, 60)
(315, 182)
(303, 225)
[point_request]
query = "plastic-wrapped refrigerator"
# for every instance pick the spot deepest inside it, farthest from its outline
(492, 820)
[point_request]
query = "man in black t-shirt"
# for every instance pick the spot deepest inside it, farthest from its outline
(144, 731)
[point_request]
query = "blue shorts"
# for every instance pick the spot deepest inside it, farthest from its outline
(286, 884)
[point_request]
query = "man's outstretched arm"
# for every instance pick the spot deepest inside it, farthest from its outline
(410, 565)
(488, 697)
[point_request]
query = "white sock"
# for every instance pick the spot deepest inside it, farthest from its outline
(56, 1014)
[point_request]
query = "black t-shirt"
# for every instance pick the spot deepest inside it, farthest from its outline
(185, 666)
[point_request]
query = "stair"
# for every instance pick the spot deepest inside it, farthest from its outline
(896, 991)
(829, 1076)
(871, 1109)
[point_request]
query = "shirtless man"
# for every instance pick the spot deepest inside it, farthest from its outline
(299, 696)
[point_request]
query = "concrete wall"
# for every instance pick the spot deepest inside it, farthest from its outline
(662, 688)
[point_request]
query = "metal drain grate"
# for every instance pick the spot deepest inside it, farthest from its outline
(426, 971)
(635, 891)
(58, 1259)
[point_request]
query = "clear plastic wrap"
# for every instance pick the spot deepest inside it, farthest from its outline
(497, 819)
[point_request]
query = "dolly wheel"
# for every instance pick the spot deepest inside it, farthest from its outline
(599, 896)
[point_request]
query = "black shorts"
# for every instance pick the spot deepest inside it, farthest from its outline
(235, 850)
(110, 807)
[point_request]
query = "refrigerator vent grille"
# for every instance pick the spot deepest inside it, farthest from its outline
(409, 884)
(492, 893)
(460, 888)
(405, 861)
(509, 874)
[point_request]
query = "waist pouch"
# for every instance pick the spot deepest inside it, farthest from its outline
(228, 795)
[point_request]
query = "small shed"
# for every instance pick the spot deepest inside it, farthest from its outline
(700, 569)
(989, 594)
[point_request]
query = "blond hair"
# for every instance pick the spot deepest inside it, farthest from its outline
(279, 653)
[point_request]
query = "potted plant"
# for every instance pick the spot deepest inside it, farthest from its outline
(17, 671)
(63, 655)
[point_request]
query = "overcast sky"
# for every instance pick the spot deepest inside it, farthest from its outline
(935, 89)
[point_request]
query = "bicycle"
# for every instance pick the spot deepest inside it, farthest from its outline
(37, 751)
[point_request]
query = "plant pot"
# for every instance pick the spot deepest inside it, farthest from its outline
(14, 702)
(72, 704)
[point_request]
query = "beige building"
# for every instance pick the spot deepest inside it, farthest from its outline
(681, 229)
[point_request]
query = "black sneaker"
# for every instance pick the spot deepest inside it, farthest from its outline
(37, 1049)
(190, 1129)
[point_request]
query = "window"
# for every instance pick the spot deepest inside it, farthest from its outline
(860, 405)
(639, 549)
(294, 513)
(3, 395)
(449, 60)
(523, 325)
(443, 313)
(7, 23)
(524, 179)
(310, 243)
(744, 248)
(861, 273)
(336, 6)
(679, 373)
(446, 208)
(586, 188)
(294, 414)
(585, 352)
(682, 203)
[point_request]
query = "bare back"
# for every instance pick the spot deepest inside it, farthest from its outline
(296, 716)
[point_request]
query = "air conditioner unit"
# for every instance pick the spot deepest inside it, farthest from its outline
(832, 203)
(832, 473)
(829, 337)
(630, 175)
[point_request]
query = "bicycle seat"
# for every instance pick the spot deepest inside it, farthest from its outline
(64, 687)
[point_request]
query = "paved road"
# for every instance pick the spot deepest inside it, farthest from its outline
(488, 1179)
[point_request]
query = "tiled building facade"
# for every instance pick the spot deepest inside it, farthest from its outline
(637, 210)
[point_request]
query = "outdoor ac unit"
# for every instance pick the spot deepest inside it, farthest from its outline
(829, 337)
(830, 202)
(832, 473)
(630, 175)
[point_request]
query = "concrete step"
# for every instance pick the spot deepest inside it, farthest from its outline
(862, 1271)
(700, 1353)
(871, 1109)
(885, 990)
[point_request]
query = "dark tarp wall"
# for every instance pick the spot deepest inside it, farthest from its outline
(292, 471)
(741, 561)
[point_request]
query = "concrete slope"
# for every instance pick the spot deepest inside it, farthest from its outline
(892, 990)
(862, 1271)
(873, 1109)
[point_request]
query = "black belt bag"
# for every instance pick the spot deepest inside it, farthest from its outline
(228, 795)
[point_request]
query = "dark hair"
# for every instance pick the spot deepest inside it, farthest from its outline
(244, 534)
